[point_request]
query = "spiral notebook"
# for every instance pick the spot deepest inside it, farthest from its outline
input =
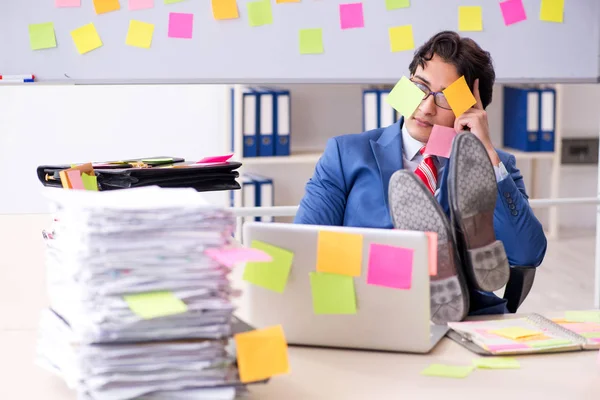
(531, 334)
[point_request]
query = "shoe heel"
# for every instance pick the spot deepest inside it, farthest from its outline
(490, 266)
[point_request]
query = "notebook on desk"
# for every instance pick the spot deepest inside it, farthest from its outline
(528, 335)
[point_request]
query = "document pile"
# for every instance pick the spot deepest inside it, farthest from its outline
(137, 309)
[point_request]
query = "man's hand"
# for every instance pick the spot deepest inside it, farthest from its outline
(476, 120)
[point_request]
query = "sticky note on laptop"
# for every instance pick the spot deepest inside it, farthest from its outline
(339, 252)
(390, 266)
(440, 141)
(459, 96)
(272, 275)
(155, 304)
(261, 354)
(515, 332)
(332, 293)
(405, 97)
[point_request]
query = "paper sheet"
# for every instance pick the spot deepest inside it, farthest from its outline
(271, 275)
(332, 293)
(390, 266)
(351, 16)
(311, 41)
(339, 252)
(405, 97)
(41, 36)
(261, 354)
(401, 38)
(459, 96)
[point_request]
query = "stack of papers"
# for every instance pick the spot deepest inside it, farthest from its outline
(137, 307)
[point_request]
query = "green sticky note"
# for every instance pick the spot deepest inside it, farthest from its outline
(155, 304)
(548, 343)
(332, 293)
(582, 316)
(272, 275)
(173, 1)
(405, 97)
(311, 41)
(89, 182)
(395, 4)
(447, 371)
(497, 363)
(260, 13)
(591, 335)
(41, 36)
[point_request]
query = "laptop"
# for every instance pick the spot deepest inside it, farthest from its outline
(387, 319)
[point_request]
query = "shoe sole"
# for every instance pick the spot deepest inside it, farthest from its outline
(473, 193)
(412, 207)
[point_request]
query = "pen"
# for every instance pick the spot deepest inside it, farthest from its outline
(17, 77)
(8, 81)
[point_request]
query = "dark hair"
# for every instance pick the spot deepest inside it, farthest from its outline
(469, 59)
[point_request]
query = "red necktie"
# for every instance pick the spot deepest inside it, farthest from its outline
(427, 171)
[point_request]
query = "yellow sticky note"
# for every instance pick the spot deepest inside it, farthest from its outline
(401, 38)
(405, 97)
(225, 9)
(448, 371)
(155, 304)
(287, 1)
(339, 253)
(552, 10)
(86, 38)
(470, 18)
(104, 6)
(140, 34)
(261, 354)
(515, 332)
(459, 96)
(497, 363)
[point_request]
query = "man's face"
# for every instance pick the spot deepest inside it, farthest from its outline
(436, 76)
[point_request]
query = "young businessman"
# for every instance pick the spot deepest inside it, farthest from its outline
(382, 179)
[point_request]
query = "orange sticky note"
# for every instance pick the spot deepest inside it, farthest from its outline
(64, 180)
(339, 253)
(225, 9)
(433, 252)
(459, 96)
(261, 354)
(104, 6)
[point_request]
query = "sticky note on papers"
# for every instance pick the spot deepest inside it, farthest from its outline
(339, 253)
(401, 38)
(513, 11)
(311, 41)
(470, 18)
(86, 38)
(552, 10)
(497, 363)
(181, 25)
(260, 13)
(215, 159)
(497, 348)
(261, 354)
(332, 293)
(396, 4)
(448, 371)
(582, 316)
(405, 97)
(67, 3)
(41, 36)
(432, 238)
(135, 5)
(272, 275)
(140, 34)
(230, 257)
(351, 16)
(549, 343)
(75, 181)
(390, 266)
(515, 332)
(225, 9)
(459, 96)
(90, 182)
(155, 304)
(440, 141)
(105, 6)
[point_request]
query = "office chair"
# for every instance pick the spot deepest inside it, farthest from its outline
(518, 287)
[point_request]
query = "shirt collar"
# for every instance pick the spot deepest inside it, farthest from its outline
(410, 145)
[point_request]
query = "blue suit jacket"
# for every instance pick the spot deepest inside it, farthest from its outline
(350, 188)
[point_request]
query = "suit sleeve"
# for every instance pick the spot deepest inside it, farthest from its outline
(515, 223)
(324, 201)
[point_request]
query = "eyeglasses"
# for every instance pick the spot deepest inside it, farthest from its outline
(438, 97)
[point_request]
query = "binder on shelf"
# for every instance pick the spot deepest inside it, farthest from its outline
(266, 123)
(282, 122)
(250, 125)
(522, 118)
(264, 195)
(547, 119)
(387, 115)
(377, 113)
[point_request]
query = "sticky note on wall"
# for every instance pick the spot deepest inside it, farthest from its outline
(552, 10)
(332, 293)
(42, 36)
(155, 304)
(339, 253)
(459, 96)
(390, 266)
(135, 5)
(271, 275)
(311, 41)
(140, 34)
(105, 6)
(67, 3)
(225, 9)
(86, 38)
(351, 16)
(181, 25)
(260, 13)
(401, 38)
(396, 4)
(470, 18)
(261, 354)
(513, 11)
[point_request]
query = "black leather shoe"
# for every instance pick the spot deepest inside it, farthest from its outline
(472, 192)
(413, 208)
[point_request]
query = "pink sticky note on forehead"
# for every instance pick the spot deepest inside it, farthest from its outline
(351, 15)
(440, 141)
(215, 159)
(513, 11)
(140, 4)
(181, 25)
(390, 266)
(67, 3)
